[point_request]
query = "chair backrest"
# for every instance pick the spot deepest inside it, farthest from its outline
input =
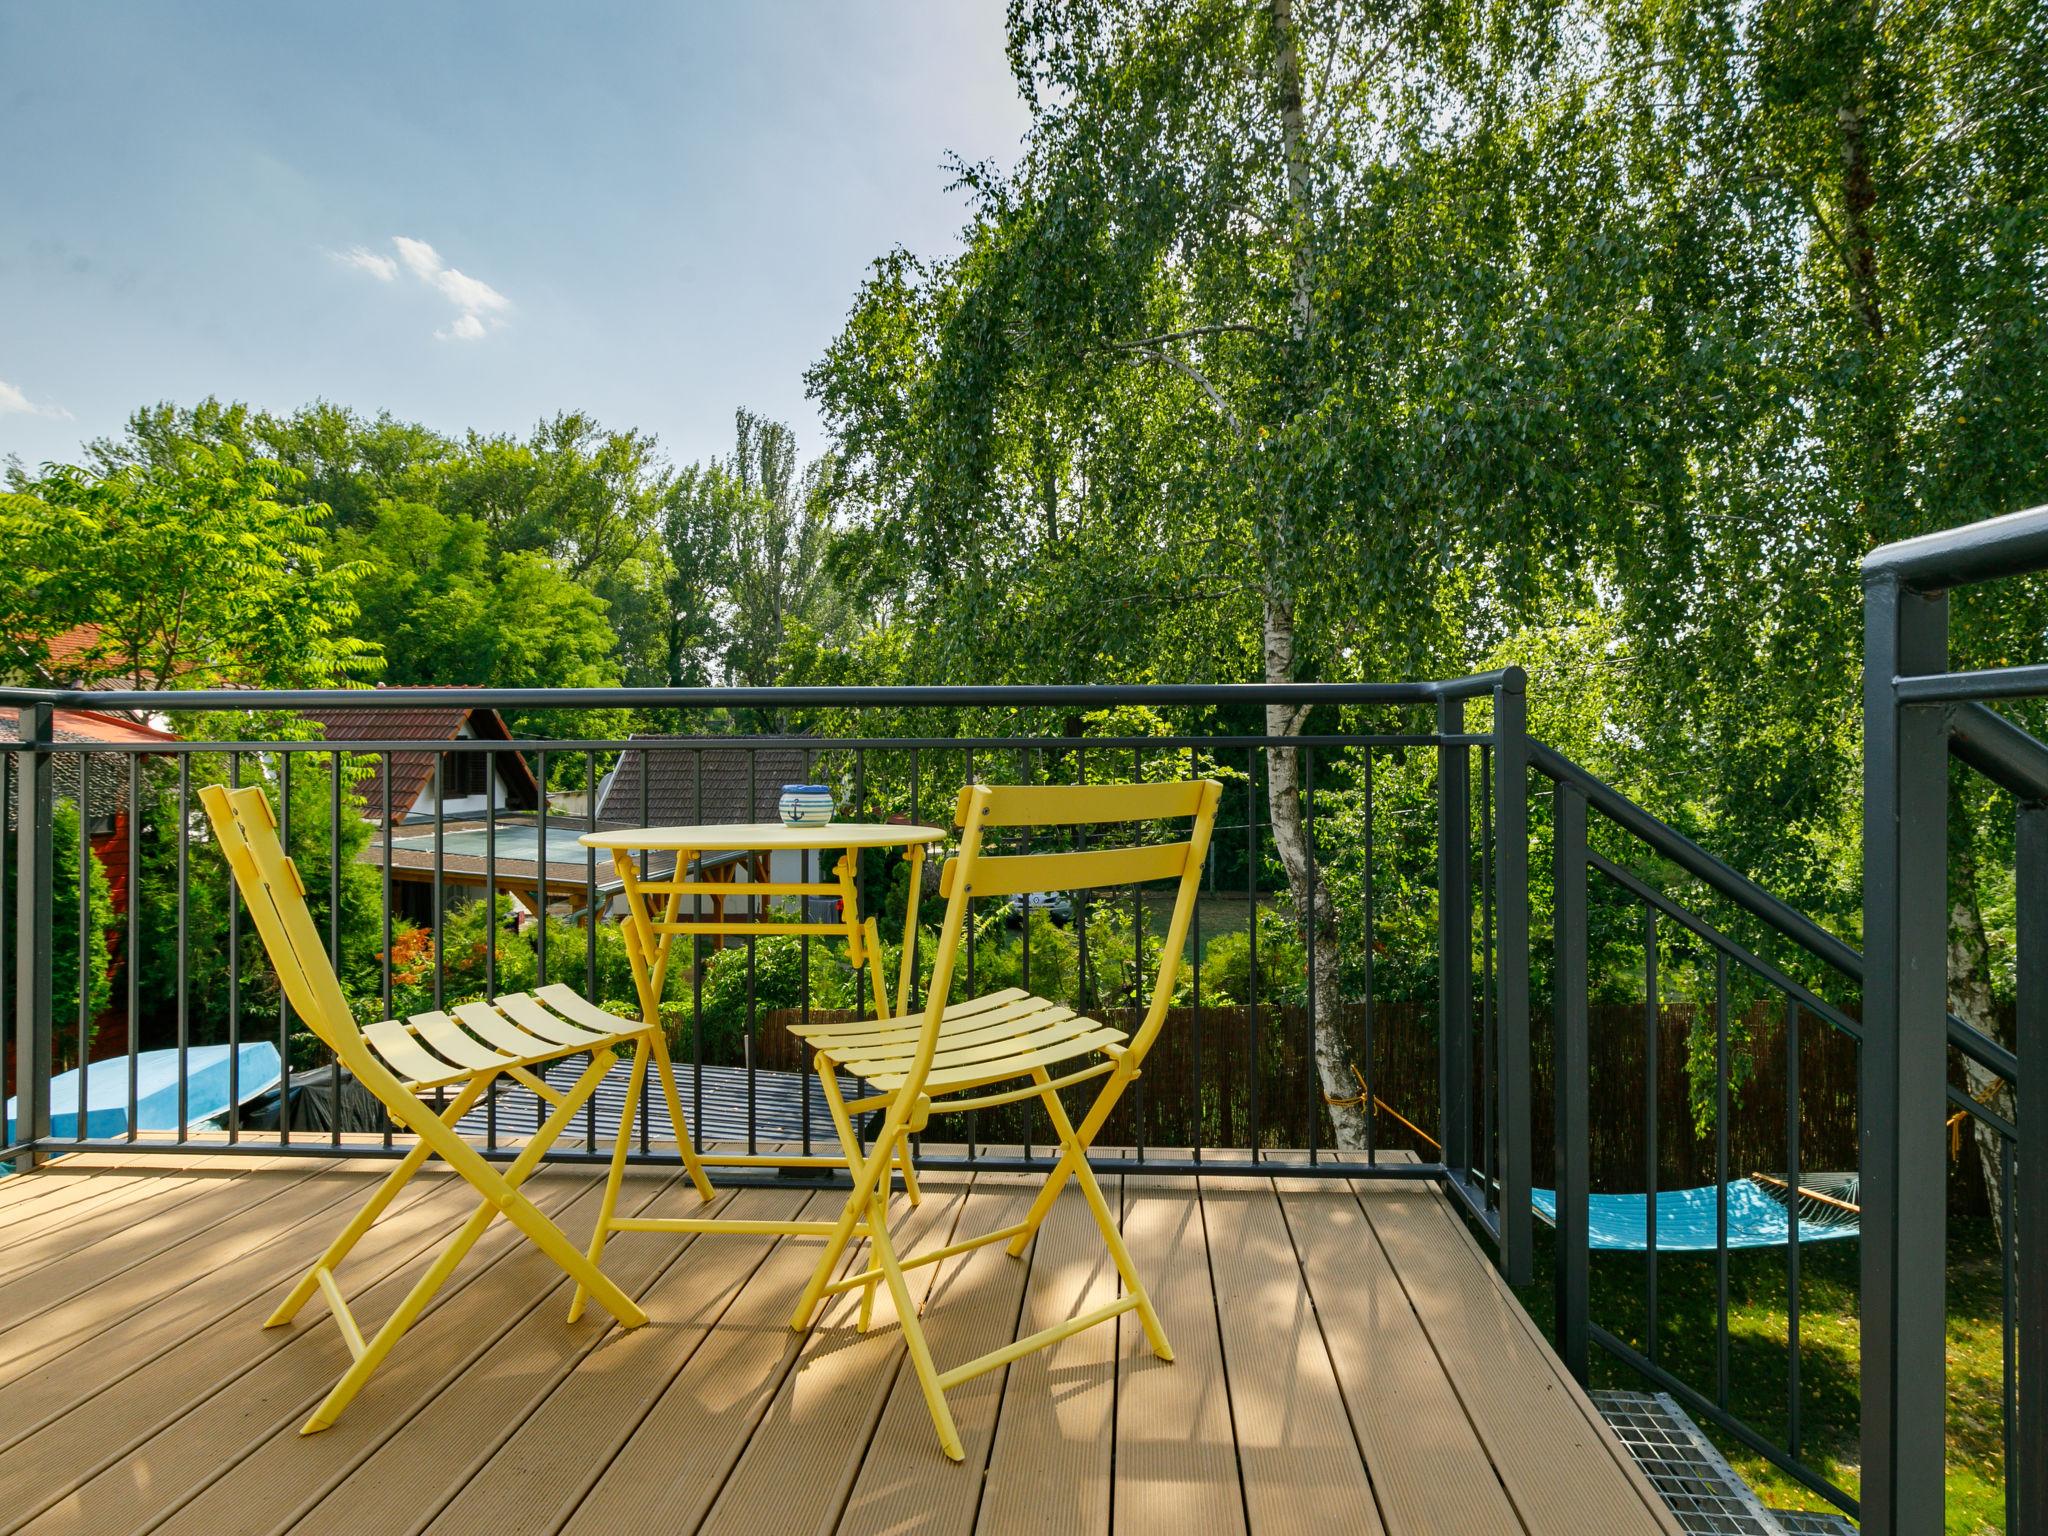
(970, 873)
(246, 829)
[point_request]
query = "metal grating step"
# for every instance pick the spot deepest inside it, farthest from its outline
(1801, 1522)
(1703, 1491)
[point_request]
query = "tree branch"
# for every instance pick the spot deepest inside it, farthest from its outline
(1195, 376)
(1228, 328)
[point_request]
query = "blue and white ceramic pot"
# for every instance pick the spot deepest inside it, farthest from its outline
(806, 805)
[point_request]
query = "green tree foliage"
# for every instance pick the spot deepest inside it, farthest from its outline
(192, 559)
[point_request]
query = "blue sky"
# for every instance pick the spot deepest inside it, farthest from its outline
(471, 215)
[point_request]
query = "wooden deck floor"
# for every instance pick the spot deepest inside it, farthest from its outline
(1348, 1362)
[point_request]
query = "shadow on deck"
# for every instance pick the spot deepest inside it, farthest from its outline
(1347, 1361)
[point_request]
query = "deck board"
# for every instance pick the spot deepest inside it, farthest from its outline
(1048, 1471)
(1176, 1449)
(1562, 1469)
(1346, 1359)
(1429, 1471)
(1302, 1471)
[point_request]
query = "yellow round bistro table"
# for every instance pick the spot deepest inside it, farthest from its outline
(655, 916)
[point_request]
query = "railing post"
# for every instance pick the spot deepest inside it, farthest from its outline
(1904, 1067)
(2027, 1208)
(1570, 1064)
(34, 915)
(1511, 976)
(1454, 940)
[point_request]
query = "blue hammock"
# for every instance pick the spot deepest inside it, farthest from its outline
(1757, 1217)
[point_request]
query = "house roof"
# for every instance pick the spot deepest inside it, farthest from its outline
(105, 774)
(88, 725)
(410, 771)
(671, 776)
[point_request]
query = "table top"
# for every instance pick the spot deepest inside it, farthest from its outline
(764, 836)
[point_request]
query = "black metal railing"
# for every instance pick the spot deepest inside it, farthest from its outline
(1601, 843)
(1411, 831)
(1918, 717)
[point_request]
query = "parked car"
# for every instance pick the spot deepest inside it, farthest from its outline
(1054, 904)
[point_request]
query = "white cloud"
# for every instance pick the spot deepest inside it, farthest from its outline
(383, 268)
(479, 307)
(472, 296)
(14, 403)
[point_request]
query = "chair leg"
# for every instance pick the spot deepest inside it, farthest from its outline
(395, 1326)
(908, 1163)
(913, 1329)
(1076, 1154)
(1041, 1206)
(866, 1171)
(373, 1208)
(636, 1080)
(685, 1142)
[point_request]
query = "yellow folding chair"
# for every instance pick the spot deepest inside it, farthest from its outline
(465, 1053)
(934, 1064)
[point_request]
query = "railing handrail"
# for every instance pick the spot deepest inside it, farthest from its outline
(2012, 545)
(897, 696)
(1750, 896)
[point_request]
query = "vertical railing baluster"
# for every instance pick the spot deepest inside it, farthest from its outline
(1454, 941)
(440, 779)
(542, 893)
(9, 1087)
(35, 916)
(490, 918)
(2026, 1207)
(384, 968)
(284, 1023)
(1653, 1009)
(1310, 1076)
(803, 961)
(646, 858)
(1721, 1179)
(131, 963)
(1571, 1067)
(184, 940)
(1137, 975)
(1511, 983)
(1792, 1175)
(234, 957)
(84, 938)
(490, 874)
(384, 766)
(696, 966)
(1489, 1150)
(2021, 1476)
(334, 930)
(1370, 1103)
(1199, 1123)
(757, 910)
(590, 919)
(1251, 886)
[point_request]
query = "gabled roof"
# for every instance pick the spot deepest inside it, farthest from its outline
(105, 774)
(671, 773)
(410, 771)
(88, 725)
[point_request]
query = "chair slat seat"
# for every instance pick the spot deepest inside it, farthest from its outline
(977, 1043)
(414, 1064)
(434, 1050)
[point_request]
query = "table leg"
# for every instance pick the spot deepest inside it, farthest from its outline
(907, 970)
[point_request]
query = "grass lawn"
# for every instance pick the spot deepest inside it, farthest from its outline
(1828, 1357)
